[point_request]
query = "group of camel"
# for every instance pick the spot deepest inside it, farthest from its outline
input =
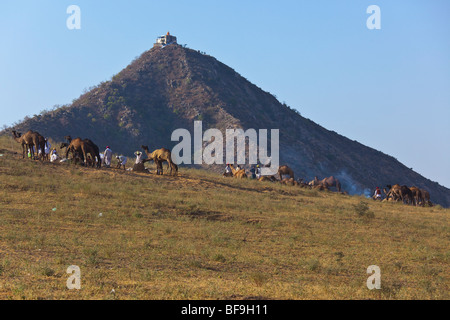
(84, 147)
(86, 151)
(409, 195)
(324, 184)
(89, 154)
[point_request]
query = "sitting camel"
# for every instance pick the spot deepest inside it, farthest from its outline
(289, 182)
(326, 183)
(159, 156)
(285, 170)
(302, 184)
(227, 174)
(320, 187)
(267, 178)
(240, 174)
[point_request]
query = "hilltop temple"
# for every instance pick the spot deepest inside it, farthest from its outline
(165, 40)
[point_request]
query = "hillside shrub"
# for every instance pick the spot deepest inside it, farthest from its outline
(362, 210)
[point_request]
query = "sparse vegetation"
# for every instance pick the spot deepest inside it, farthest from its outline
(362, 209)
(200, 236)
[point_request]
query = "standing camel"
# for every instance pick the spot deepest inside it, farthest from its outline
(83, 148)
(416, 196)
(159, 156)
(398, 192)
(29, 141)
(285, 170)
(425, 198)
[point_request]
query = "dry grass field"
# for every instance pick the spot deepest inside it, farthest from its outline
(201, 236)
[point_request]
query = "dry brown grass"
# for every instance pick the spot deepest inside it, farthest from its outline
(201, 236)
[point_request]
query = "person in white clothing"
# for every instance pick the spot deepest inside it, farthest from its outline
(108, 157)
(377, 194)
(47, 149)
(139, 156)
(54, 155)
(121, 162)
(258, 172)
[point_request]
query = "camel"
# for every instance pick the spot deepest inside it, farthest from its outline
(326, 183)
(416, 195)
(227, 174)
(387, 193)
(289, 182)
(159, 156)
(285, 170)
(398, 192)
(319, 187)
(267, 178)
(96, 150)
(302, 184)
(425, 198)
(24, 140)
(41, 147)
(240, 174)
(393, 192)
(29, 141)
(66, 144)
(83, 148)
(407, 195)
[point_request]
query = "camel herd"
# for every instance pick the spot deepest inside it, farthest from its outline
(86, 151)
(408, 195)
(89, 154)
(321, 185)
(82, 149)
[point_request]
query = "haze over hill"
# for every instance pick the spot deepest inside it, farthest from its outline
(171, 87)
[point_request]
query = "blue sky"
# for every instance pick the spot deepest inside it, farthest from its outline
(388, 89)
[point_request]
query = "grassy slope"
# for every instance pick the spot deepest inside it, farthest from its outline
(200, 236)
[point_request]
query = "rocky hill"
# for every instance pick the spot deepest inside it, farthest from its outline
(171, 87)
